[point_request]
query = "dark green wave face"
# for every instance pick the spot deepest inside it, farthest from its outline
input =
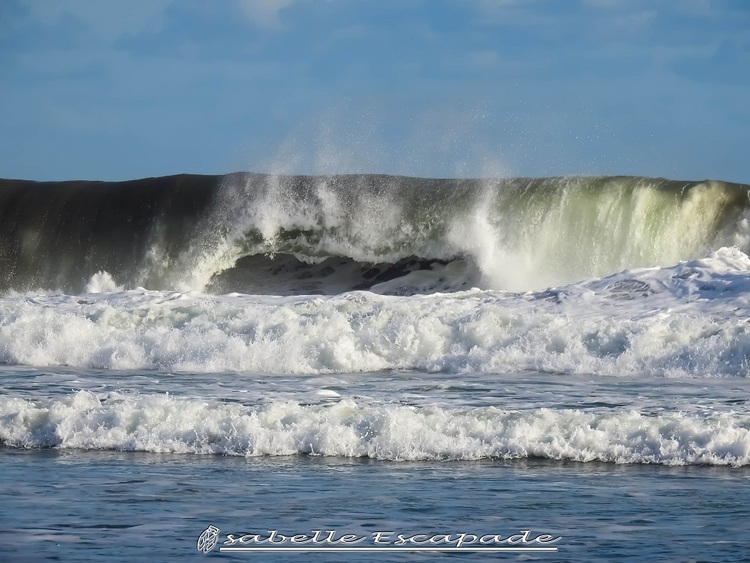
(244, 232)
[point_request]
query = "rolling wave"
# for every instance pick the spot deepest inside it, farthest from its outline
(290, 235)
(158, 423)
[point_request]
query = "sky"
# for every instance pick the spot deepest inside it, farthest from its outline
(113, 90)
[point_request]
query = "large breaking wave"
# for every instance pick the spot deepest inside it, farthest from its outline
(263, 234)
(254, 273)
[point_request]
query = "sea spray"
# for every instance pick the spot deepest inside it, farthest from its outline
(255, 233)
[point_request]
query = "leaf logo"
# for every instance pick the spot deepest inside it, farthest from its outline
(208, 539)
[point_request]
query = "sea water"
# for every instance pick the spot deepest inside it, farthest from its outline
(89, 506)
(410, 377)
(112, 488)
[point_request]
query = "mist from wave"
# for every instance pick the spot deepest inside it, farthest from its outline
(495, 234)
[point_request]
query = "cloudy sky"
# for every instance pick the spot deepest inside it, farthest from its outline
(118, 90)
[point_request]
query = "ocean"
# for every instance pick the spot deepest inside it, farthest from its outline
(274, 368)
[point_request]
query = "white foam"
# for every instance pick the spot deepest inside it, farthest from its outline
(689, 320)
(159, 423)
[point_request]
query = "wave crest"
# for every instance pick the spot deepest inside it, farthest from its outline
(156, 423)
(239, 232)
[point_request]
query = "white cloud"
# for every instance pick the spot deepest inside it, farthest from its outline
(698, 8)
(604, 3)
(636, 21)
(108, 20)
(511, 12)
(356, 31)
(264, 13)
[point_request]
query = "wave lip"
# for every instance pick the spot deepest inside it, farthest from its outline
(396, 433)
(256, 233)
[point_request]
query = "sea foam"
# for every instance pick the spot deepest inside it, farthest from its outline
(159, 423)
(689, 320)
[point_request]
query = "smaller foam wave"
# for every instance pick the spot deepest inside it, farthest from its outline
(721, 275)
(158, 423)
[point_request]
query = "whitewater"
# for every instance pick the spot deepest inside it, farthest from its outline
(352, 319)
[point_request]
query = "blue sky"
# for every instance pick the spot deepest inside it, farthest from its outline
(117, 90)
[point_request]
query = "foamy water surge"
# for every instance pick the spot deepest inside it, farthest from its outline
(399, 433)
(689, 320)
